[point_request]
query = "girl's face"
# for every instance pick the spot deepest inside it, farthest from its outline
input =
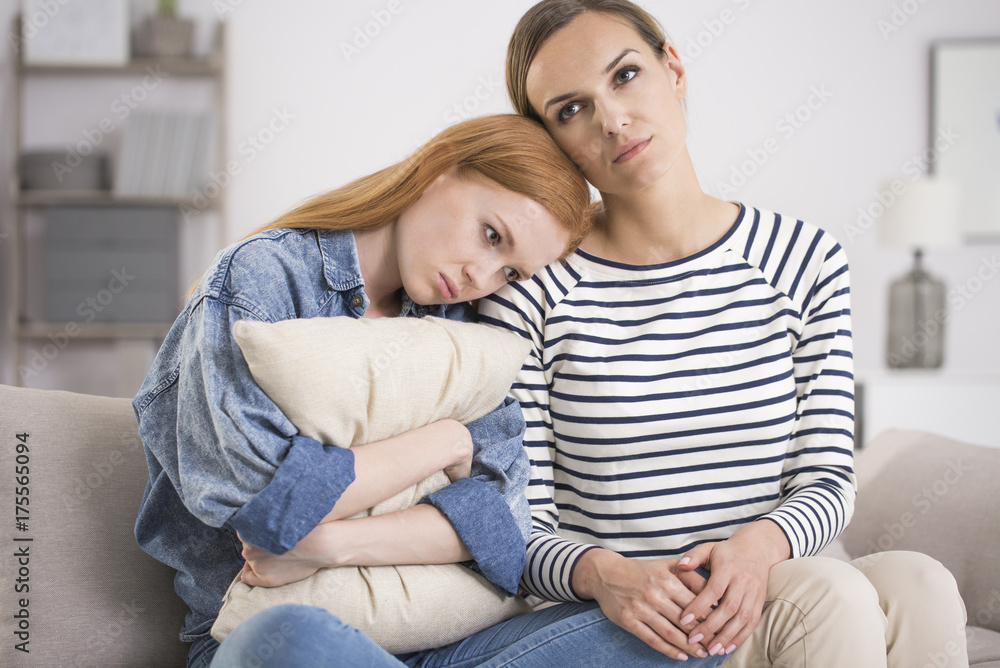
(611, 102)
(465, 237)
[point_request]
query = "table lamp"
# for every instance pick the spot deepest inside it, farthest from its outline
(924, 216)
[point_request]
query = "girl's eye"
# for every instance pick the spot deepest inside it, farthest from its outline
(625, 74)
(492, 235)
(569, 110)
(512, 274)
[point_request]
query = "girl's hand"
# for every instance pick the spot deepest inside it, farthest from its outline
(457, 440)
(644, 597)
(263, 569)
(737, 587)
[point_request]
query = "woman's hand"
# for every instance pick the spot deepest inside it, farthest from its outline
(263, 569)
(458, 441)
(738, 585)
(644, 597)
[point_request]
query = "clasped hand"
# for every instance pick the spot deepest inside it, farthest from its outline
(728, 606)
(674, 610)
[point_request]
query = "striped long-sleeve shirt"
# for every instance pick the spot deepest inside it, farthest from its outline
(671, 404)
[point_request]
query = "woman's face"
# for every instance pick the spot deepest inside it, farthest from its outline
(465, 237)
(611, 102)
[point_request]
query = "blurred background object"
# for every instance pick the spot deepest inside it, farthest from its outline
(923, 217)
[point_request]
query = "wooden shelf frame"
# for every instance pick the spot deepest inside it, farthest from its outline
(211, 68)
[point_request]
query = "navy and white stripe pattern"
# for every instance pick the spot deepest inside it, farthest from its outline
(671, 404)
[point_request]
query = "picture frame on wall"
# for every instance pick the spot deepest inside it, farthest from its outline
(78, 33)
(965, 129)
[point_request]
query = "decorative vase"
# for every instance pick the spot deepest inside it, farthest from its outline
(916, 320)
(165, 37)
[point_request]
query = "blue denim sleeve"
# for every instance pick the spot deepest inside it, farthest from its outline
(239, 459)
(489, 509)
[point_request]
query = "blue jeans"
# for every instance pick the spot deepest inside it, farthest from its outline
(571, 635)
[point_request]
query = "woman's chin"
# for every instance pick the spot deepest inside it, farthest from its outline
(426, 298)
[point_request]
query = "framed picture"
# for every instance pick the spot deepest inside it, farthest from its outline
(81, 32)
(965, 128)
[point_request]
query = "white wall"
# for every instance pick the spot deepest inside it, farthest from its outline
(345, 114)
(359, 112)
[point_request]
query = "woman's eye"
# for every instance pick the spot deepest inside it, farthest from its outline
(626, 74)
(492, 235)
(512, 274)
(569, 110)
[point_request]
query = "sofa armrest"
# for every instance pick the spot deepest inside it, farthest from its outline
(927, 493)
(86, 594)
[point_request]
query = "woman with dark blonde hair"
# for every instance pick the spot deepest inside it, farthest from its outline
(689, 398)
(235, 489)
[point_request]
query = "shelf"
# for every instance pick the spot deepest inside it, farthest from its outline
(94, 330)
(29, 241)
(171, 66)
(41, 198)
(211, 65)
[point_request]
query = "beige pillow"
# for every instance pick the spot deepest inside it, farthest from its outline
(347, 381)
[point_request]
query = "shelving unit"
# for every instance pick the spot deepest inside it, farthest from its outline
(121, 334)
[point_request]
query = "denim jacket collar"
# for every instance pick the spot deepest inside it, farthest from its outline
(341, 265)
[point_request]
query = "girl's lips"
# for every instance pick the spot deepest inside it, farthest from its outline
(445, 287)
(631, 149)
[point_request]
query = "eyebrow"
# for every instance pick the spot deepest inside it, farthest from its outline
(506, 232)
(612, 65)
(513, 245)
(557, 100)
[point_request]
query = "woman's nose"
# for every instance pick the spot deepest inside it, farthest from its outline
(612, 116)
(481, 275)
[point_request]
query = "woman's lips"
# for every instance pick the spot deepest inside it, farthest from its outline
(445, 287)
(631, 149)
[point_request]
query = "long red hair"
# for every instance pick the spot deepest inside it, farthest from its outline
(512, 151)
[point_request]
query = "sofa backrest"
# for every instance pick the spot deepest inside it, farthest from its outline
(927, 493)
(77, 590)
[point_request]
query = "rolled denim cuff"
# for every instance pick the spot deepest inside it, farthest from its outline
(483, 521)
(303, 490)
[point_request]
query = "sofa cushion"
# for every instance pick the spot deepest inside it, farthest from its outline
(922, 492)
(984, 647)
(347, 381)
(87, 595)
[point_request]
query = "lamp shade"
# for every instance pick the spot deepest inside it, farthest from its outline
(924, 215)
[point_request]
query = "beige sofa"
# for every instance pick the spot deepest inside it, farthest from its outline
(922, 492)
(94, 599)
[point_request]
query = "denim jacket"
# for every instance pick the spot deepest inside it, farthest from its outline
(224, 459)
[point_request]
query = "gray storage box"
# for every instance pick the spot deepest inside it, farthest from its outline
(50, 170)
(111, 264)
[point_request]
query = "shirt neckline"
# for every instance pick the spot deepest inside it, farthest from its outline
(605, 265)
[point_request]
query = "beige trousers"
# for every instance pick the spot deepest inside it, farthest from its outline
(895, 609)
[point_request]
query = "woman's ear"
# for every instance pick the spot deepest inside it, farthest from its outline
(671, 62)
